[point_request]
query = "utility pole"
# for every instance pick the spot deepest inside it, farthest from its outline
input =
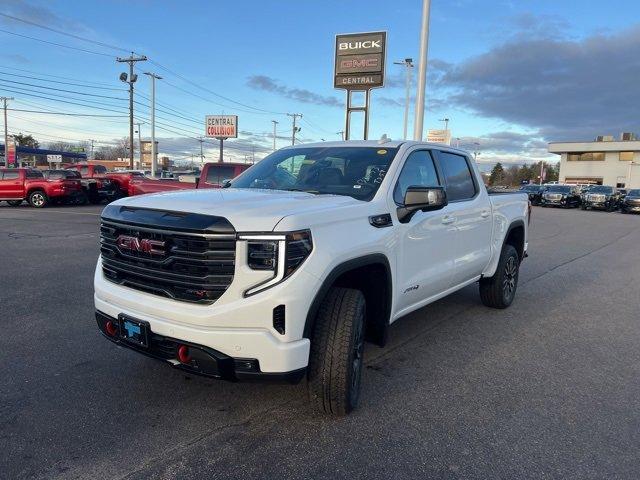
(341, 133)
(422, 71)
(131, 80)
(201, 140)
(139, 144)
(274, 134)
(295, 129)
(6, 131)
(91, 154)
(154, 158)
(446, 123)
(408, 64)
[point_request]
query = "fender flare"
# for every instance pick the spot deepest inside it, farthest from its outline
(515, 224)
(352, 264)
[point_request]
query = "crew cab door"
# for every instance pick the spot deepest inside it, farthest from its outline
(470, 212)
(426, 243)
(11, 184)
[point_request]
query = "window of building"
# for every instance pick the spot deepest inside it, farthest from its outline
(626, 156)
(586, 157)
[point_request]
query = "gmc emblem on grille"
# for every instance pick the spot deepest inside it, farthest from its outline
(144, 245)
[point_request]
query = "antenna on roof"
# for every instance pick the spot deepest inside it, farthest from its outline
(384, 139)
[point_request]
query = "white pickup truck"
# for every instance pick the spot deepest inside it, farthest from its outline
(285, 272)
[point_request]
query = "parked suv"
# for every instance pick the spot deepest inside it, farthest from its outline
(566, 196)
(534, 192)
(631, 202)
(286, 272)
(601, 197)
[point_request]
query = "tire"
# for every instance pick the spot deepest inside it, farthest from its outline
(81, 199)
(500, 290)
(38, 199)
(336, 360)
(14, 203)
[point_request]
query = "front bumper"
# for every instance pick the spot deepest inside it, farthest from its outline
(597, 205)
(203, 361)
(630, 208)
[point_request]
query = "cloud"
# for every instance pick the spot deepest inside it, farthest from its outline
(269, 84)
(35, 13)
(565, 89)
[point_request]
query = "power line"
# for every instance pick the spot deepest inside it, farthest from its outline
(63, 113)
(60, 82)
(62, 90)
(56, 44)
(58, 76)
(77, 37)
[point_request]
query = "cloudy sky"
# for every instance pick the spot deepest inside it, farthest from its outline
(510, 75)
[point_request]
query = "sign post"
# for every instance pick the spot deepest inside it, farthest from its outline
(359, 67)
(10, 161)
(221, 127)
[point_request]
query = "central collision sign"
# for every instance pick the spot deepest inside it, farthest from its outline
(359, 60)
(221, 126)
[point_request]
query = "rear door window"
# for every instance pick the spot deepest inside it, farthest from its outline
(10, 176)
(457, 176)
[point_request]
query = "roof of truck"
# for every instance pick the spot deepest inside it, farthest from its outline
(375, 144)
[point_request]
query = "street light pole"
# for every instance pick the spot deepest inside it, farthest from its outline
(6, 131)
(422, 71)
(131, 80)
(274, 134)
(408, 64)
(154, 160)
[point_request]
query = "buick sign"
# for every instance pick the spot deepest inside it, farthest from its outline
(359, 60)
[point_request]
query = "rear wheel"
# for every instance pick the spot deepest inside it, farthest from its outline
(38, 199)
(14, 203)
(336, 359)
(500, 290)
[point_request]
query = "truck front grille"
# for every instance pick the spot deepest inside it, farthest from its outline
(185, 266)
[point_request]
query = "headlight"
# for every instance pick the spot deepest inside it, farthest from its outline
(280, 253)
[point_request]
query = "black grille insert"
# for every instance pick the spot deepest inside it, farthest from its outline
(185, 266)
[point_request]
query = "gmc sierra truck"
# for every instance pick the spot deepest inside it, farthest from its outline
(285, 272)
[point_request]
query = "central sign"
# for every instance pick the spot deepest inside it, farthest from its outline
(221, 126)
(359, 60)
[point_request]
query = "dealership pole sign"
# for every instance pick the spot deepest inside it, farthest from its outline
(221, 127)
(359, 67)
(10, 161)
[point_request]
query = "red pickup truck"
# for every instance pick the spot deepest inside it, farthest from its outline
(213, 175)
(19, 184)
(100, 184)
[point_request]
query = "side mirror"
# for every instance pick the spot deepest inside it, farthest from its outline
(425, 199)
(226, 183)
(197, 181)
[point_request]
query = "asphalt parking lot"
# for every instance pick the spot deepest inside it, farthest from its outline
(549, 388)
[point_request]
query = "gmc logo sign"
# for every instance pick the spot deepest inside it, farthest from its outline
(144, 245)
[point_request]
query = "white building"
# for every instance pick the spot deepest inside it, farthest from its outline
(605, 161)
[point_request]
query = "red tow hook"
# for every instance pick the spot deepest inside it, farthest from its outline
(183, 354)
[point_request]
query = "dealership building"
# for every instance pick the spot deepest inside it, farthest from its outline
(605, 161)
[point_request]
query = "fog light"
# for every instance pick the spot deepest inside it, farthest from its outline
(110, 328)
(183, 354)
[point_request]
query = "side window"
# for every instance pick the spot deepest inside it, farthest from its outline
(84, 171)
(100, 169)
(457, 175)
(217, 174)
(417, 170)
(11, 176)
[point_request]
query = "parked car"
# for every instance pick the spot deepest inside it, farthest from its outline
(80, 198)
(631, 202)
(284, 273)
(19, 184)
(534, 192)
(565, 196)
(213, 175)
(601, 197)
(97, 186)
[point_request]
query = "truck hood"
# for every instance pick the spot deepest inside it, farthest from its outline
(248, 210)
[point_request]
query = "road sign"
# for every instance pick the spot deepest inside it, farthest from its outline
(54, 158)
(221, 126)
(359, 60)
(77, 149)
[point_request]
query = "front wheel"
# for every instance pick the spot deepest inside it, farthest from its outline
(38, 199)
(337, 346)
(500, 290)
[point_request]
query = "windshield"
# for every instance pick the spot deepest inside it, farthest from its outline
(353, 171)
(559, 188)
(601, 189)
(634, 193)
(531, 188)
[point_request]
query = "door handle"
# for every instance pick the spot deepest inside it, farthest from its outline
(448, 219)
(485, 213)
